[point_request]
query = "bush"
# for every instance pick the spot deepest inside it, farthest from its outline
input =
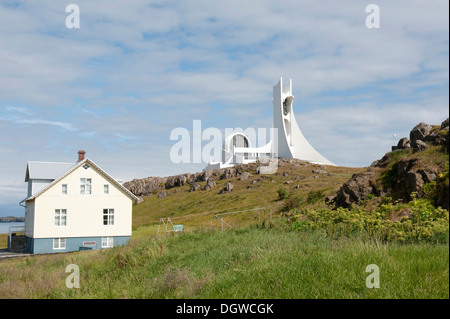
(282, 194)
(415, 221)
(314, 196)
(293, 203)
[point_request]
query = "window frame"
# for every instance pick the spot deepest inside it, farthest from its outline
(107, 242)
(85, 186)
(105, 189)
(59, 213)
(108, 216)
(59, 243)
(64, 189)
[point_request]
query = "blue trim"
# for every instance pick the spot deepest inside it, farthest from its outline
(45, 245)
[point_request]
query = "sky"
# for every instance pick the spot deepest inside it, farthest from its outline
(134, 71)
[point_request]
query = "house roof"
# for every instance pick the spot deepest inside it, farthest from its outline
(46, 170)
(73, 168)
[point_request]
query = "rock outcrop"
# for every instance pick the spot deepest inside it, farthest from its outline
(145, 186)
(406, 177)
(210, 183)
(357, 189)
(418, 133)
(227, 188)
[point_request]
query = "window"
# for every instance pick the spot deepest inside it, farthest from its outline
(60, 217)
(108, 216)
(107, 242)
(86, 186)
(64, 189)
(106, 189)
(59, 243)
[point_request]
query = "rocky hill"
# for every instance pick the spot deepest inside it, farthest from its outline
(404, 173)
(416, 167)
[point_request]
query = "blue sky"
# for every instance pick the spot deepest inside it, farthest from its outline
(135, 70)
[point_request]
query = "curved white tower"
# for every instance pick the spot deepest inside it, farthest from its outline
(291, 142)
(287, 139)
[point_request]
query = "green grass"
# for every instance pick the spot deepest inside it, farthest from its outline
(195, 209)
(244, 263)
(274, 260)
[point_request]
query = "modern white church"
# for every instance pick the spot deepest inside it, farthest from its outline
(287, 140)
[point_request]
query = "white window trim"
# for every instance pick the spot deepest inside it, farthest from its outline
(107, 242)
(109, 214)
(106, 189)
(59, 242)
(83, 186)
(58, 215)
(64, 189)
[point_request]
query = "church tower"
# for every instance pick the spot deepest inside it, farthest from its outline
(290, 142)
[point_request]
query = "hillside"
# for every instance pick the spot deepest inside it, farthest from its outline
(417, 167)
(329, 223)
(191, 204)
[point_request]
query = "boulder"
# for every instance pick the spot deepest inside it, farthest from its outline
(419, 146)
(411, 176)
(403, 143)
(228, 188)
(419, 132)
(210, 183)
(162, 194)
(245, 175)
(177, 180)
(414, 182)
(145, 186)
(357, 189)
(227, 173)
(194, 187)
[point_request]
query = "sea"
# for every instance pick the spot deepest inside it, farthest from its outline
(4, 227)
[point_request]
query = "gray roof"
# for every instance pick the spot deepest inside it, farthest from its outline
(71, 168)
(46, 170)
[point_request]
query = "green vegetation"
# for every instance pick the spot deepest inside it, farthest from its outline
(306, 250)
(243, 263)
(194, 209)
(282, 194)
(413, 222)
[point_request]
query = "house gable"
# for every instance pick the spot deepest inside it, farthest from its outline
(86, 164)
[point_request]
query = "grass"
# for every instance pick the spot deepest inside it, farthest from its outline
(273, 260)
(194, 209)
(244, 263)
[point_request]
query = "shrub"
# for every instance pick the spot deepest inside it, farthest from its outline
(282, 194)
(415, 221)
(314, 196)
(293, 203)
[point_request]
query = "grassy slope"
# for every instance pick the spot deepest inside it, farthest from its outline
(196, 208)
(245, 263)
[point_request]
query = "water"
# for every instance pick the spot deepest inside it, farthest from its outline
(4, 227)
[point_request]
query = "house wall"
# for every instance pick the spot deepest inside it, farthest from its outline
(84, 212)
(45, 245)
(36, 185)
(29, 218)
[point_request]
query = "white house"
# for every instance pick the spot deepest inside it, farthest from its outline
(75, 206)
